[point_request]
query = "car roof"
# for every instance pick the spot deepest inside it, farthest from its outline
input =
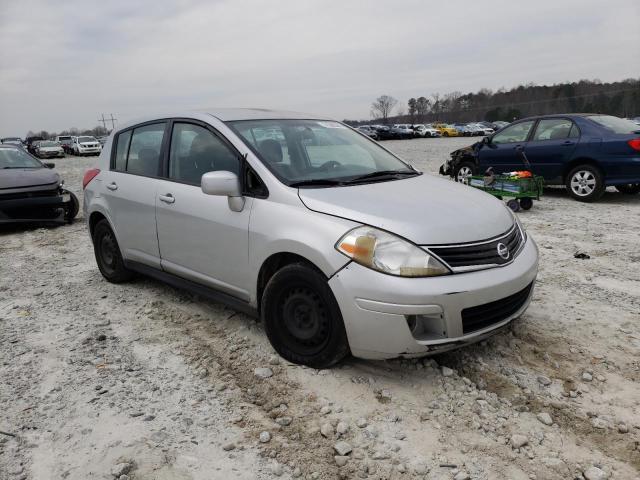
(229, 115)
(559, 115)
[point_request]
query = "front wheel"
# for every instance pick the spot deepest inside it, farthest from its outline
(72, 208)
(463, 171)
(302, 319)
(584, 183)
(629, 188)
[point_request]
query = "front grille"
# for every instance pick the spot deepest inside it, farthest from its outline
(482, 254)
(483, 316)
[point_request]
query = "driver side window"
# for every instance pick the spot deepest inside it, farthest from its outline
(196, 151)
(513, 133)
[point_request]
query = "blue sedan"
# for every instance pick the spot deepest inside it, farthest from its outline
(584, 152)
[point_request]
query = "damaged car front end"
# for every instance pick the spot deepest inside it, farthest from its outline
(32, 191)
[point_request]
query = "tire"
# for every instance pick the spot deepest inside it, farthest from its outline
(584, 183)
(71, 211)
(302, 319)
(629, 188)
(526, 203)
(445, 134)
(513, 205)
(463, 171)
(108, 256)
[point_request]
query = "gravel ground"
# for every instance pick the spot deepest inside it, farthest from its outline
(142, 381)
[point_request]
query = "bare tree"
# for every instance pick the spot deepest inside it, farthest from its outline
(383, 106)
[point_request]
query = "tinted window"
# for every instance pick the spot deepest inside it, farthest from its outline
(513, 133)
(553, 129)
(196, 151)
(121, 150)
(144, 152)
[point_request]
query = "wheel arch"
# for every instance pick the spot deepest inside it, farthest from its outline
(275, 262)
(577, 162)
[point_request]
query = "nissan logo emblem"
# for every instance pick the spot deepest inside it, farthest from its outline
(503, 251)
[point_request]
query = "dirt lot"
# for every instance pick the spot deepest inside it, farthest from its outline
(143, 381)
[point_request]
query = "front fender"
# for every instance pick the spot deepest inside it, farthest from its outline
(284, 228)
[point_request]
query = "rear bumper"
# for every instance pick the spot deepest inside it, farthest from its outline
(378, 309)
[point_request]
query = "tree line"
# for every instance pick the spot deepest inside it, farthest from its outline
(621, 99)
(74, 132)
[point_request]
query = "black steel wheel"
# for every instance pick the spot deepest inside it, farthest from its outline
(107, 253)
(302, 318)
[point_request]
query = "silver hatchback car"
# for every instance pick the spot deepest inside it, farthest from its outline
(336, 244)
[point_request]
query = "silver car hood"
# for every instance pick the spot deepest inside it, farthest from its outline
(424, 209)
(16, 178)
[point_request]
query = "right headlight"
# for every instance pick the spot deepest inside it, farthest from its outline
(387, 253)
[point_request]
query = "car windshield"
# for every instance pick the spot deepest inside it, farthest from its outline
(17, 158)
(318, 153)
(47, 144)
(615, 124)
(86, 139)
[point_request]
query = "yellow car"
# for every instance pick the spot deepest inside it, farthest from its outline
(446, 130)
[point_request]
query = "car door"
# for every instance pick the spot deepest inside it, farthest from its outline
(129, 189)
(503, 151)
(551, 146)
(201, 238)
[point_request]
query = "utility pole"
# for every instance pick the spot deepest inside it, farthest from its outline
(104, 121)
(113, 121)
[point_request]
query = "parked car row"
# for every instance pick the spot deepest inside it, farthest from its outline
(61, 145)
(401, 131)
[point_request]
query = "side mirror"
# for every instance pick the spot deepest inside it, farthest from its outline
(486, 140)
(224, 184)
(49, 164)
(221, 183)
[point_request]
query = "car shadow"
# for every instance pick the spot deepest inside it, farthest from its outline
(611, 196)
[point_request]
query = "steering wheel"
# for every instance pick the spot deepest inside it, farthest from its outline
(330, 164)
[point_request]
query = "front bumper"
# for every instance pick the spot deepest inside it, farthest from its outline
(376, 307)
(89, 151)
(46, 208)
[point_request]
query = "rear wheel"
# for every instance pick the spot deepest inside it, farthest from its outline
(463, 171)
(107, 252)
(585, 183)
(629, 188)
(302, 319)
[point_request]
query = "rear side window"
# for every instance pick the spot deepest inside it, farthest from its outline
(555, 129)
(122, 149)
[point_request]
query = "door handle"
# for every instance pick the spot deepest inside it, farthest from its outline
(568, 143)
(519, 148)
(167, 198)
(112, 186)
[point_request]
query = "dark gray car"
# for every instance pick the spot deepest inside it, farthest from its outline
(32, 191)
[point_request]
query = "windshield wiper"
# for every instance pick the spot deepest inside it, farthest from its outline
(382, 174)
(320, 182)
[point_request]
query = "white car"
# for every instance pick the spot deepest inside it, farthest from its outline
(84, 145)
(426, 131)
(484, 129)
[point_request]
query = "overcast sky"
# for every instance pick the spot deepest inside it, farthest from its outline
(63, 63)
